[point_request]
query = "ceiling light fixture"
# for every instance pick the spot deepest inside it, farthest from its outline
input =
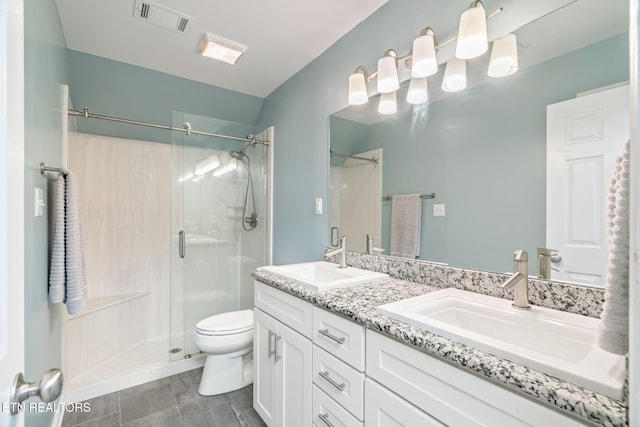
(221, 48)
(472, 32)
(504, 56)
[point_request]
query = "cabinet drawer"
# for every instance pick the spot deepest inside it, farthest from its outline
(326, 412)
(339, 336)
(339, 380)
(385, 409)
(290, 310)
(450, 394)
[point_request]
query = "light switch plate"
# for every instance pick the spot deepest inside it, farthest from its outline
(38, 202)
(319, 206)
(438, 209)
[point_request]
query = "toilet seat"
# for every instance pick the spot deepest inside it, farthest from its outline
(231, 323)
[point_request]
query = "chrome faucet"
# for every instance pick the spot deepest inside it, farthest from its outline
(342, 251)
(519, 280)
(545, 257)
(369, 245)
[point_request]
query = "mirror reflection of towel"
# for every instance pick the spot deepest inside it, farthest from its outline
(406, 215)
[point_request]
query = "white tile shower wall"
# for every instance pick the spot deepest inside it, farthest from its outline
(125, 201)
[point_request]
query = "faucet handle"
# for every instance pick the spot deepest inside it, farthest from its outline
(546, 251)
(520, 255)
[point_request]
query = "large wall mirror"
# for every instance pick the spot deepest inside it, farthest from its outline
(483, 151)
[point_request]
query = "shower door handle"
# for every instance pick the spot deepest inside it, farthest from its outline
(181, 243)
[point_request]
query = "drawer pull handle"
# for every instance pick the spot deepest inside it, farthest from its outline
(332, 337)
(271, 351)
(325, 419)
(331, 381)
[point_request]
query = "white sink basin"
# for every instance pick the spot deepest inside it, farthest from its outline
(323, 275)
(555, 342)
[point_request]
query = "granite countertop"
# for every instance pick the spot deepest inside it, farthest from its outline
(359, 303)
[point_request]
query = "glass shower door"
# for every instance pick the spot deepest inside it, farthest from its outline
(218, 224)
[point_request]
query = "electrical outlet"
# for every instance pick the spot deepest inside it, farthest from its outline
(438, 209)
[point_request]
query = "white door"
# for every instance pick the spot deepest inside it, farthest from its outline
(11, 203)
(295, 377)
(584, 137)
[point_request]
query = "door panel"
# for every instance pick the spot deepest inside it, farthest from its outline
(584, 137)
(11, 203)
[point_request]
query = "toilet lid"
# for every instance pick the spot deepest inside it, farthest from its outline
(232, 322)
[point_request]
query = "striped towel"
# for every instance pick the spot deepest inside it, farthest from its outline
(67, 275)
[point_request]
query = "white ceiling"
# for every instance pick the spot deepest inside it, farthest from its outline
(282, 36)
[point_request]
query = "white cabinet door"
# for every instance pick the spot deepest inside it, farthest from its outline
(265, 397)
(584, 137)
(282, 373)
(294, 375)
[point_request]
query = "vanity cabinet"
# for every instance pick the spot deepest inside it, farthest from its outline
(314, 367)
(446, 393)
(282, 355)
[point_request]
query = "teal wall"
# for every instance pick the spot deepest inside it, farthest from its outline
(299, 110)
(118, 89)
(45, 71)
(483, 152)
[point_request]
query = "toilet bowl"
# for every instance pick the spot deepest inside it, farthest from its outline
(227, 340)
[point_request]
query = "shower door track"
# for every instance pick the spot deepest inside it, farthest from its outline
(186, 129)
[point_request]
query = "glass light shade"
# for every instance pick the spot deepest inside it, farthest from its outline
(357, 89)
(387, 75)
(388, 104)
(423, 58)
(207, 165)
(221, 48)
(472, 33)
(229, 167)
(418, 92)
(455, 75)
(504, 56)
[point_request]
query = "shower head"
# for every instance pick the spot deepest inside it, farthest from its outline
(237, 154)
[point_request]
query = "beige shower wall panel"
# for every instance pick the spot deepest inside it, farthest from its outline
(126, 203)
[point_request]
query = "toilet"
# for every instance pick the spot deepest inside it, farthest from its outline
(227, 340)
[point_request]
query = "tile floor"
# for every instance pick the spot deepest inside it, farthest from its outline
(173, 401)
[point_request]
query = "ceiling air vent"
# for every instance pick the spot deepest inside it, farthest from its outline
(161, 15)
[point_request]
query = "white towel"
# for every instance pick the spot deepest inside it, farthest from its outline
(67, 276)
(406, 218)
(613, 333)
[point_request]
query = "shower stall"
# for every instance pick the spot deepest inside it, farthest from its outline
(172, 232)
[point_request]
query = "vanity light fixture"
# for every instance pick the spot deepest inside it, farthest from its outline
(472, 32)
(455, 75)
(229, 167)
(207, 165)
(221, 48)
(423, 58)
(388, 103)
(504, 56)
(418, 92)
(358, 87)
(388, 72)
